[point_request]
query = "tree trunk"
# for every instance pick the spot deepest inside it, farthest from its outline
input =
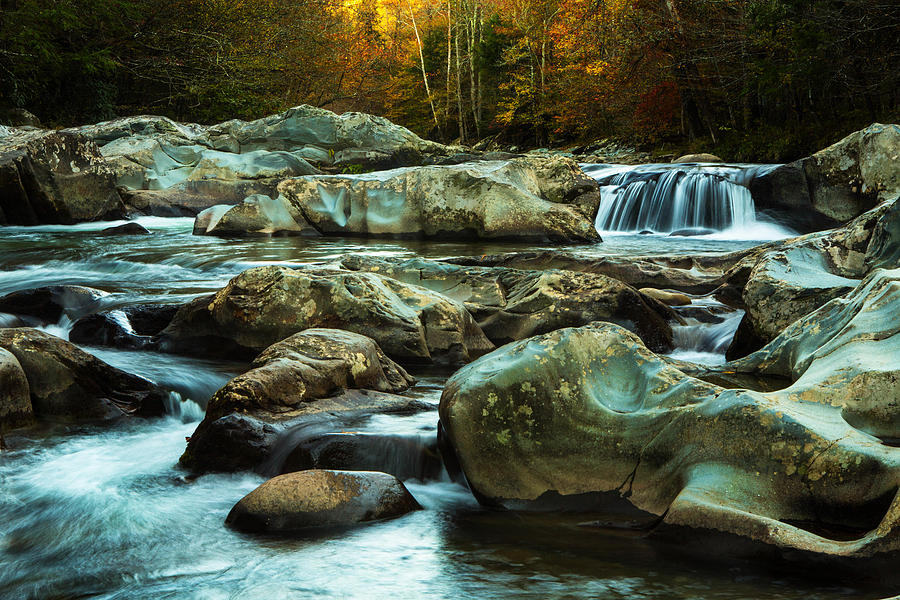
(422, 64)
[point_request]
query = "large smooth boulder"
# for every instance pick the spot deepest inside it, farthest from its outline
(845, 354)
(291, 383)
(264, 305)
(64, 381)
(837, 183)
(54, 177)
(257, 215)
(321, 498)
(187, 165)
(15, 398)
(795, 277)
(536, 198)
(513, 304)
(589, 419)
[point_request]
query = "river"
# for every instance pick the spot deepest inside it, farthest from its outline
(91, 512)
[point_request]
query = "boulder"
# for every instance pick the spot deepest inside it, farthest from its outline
(267, 304)
(173, 202)
(667, 297)
(54, 177)
(793, 278)
(534, 198)
(126, 229)
(15, 398)
(65, 381)
(321, 498)
(845, 354)
(589, 419)
(513, 304)
(702, 157)
(49, 304)
(229, 161)
(312, 364)
(405, 456)
(274, 442)
(19, 117)
(108, 328)
(256, 215)
(696, 274)
(838, 183)
(284, 385)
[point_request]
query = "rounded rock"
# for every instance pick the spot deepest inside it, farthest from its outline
(319, 498)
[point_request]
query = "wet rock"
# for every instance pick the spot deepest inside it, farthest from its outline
(691, 232)
(264, 305)
(128, 327)
(287, 383)
(838, 183)
(703, 157)
(845, 354)
(312, 364)
(126, 229)
(403, 456)
(15, 398)
(589, 419)
(795, 277)
(231, 443)
(546, 199)
(698, 274)
(65, 381)
(173, 202)
(321, 498)
(50, 303)
(512, 304)
(54, 177)
(666, 297)
(267, 441)
(109, 328)
(256, 215)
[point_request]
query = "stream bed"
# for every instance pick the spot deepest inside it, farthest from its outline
(90, 512)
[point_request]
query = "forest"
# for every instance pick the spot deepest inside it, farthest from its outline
(763, 80)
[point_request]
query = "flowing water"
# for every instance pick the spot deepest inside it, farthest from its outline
(91, 512)
(681, 199)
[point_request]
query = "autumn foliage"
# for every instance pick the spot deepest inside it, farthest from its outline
(763, 79)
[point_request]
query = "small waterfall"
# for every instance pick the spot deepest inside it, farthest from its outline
(708, 329)
(686, 199)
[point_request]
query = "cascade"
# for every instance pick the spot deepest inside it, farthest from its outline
(675, 198)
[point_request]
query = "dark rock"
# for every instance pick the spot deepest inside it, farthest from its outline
(126, 229)
(290, 380)
(107, 329)
(321, 498)
(404, 457)
(65, 381)
(692, 231)
(54, 177)
(50, 303)
(265, 441)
